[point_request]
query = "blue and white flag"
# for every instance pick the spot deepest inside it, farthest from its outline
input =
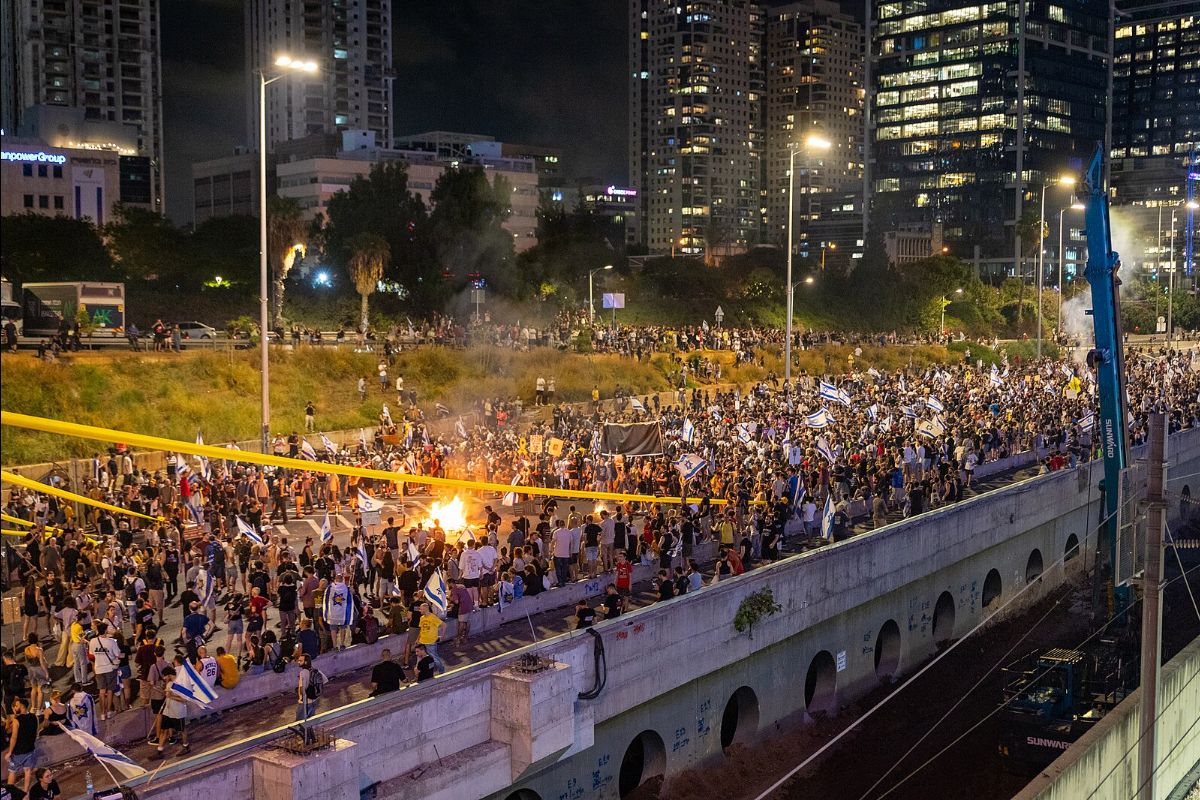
(796, 489)
(844, 398)
(903, 385)
(873, 411)
(827, 519)
(829, 392)
(247, 530)
(461, 429)
(367, 504)
(326, 531)
(909, 412)
(636, 404)
(362, 438)
(307, 449)
(330, 447)
(1087, 422)
(361, 550)
(206, 587)
(436, 593)
(204, 470)
(386, 414)
(934, 404)
(825, 450)
(688, 433)
(931, 428)
(510, 498)
(817, 419)
(745, 432)
(181, 465)
(689, 466)
(414, 554)
(424, 435)
(81, 712)
(191, 686)
(106, 755)
(874, 373)
(338, 606)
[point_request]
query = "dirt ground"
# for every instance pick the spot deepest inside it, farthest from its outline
(970, 769)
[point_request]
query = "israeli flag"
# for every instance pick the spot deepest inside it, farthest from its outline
(636, 404)
(745, 432)
(181, 465)
(817, 419)
(368, 504)
(825, 450)
(386, 414)
(338, 606)
(330, 447)
(689, 431)
(424, 435)
(414, 555)
(689, 466)
(307, 450)
(829, 392)
(81, 711)
(362, 552)
(510, 498)
(205, 587)
(827, 519)
(106, 755)
(873, 412)
(903, 385)
(874, 373)
(1049, 388)
(844, 397)
(247, 530)
(934, 404)
(204, 470)
(436, 593)
(796, 490)
(191, 686)
(362, 438)
(1088, 421)
(326, 531)
(461, 429)
(909, 412)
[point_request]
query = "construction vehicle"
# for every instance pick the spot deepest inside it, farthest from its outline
(1052, 698)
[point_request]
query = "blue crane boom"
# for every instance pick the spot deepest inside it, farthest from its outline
(1107, 359)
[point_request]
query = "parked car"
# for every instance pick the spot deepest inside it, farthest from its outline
(196, 330)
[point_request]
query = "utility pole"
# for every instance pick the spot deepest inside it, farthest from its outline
(1156, 470)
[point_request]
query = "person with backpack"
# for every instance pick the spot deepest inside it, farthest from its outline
(309, 686)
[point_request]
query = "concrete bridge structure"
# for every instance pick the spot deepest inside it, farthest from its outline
(666, 688)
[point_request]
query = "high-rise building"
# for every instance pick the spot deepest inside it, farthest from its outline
(815, 57)
(351, 42)
(1156, 128)
(100, 56)
(978, 105)
(697, 124)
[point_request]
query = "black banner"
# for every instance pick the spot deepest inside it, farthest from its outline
(636, 439)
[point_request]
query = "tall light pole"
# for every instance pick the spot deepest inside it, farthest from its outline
(591, 299)
(1063, 180)
(286, 64)
(811, 143)
(1075, 206)
(1191, 206)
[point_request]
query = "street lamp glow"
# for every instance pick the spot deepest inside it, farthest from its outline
(1077, 206)
(283, 61)
(1066, 180)
(809, 279)
(1191, 204)
(287, 62)
(815, 142)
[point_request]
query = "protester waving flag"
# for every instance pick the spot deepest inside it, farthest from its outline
(247, 530)
(107, 756)
(828, 392)
(181, 466)
(817, 419)
(307, 449)
(843, 397)
(689, 431)
(933, 404)
(330, 447)
(191, 686)
(436, 594)
(873, 411)
(825, 450)
(338, 606)
(636, 404)
(414, 554)
(827, 519)
(326, 531)
(81, 711)
(368, 504)
(510, 498)
(745, 432)
(689, 466)
(1087, 422)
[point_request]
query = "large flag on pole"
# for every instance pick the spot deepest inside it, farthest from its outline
(689, 431)
(933, 403)
(307, 449)
(817, 419)
(326, 531)
(247, 530)
(827, 519)
(330, 447)
(191, 686)
(510, 498)
(689, 466)
(107, 756)
(829, 392)
(367, 504)
(825, 450)
(414, 554)
(436, 593)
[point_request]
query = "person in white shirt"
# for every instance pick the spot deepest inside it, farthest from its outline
(608, 535)
(470, 566)
(107, 655)
(487, 572)
(809, 511)
(208, 667)
(561, 544)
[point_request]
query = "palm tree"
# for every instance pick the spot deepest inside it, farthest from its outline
(287, 233)
(369, 252)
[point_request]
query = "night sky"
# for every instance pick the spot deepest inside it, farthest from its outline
(548, 72)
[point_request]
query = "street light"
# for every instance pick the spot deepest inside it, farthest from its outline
(1062, 180)
(1191, 205)
(812, 143)
(945, 302)
(287, 64)
(831, 246)
(1075, 206)
(591, 300)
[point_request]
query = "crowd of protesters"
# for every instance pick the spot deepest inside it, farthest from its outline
(93, 589)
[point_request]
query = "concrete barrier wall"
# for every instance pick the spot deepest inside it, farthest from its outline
(672, 668)
(1104, 763)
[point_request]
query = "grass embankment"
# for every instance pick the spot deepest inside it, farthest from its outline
(218, 393)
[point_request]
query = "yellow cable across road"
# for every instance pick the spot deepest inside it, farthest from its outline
(91, 432)
(30, 483)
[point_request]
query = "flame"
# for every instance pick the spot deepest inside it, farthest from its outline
(451, 515)
(599, 507)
